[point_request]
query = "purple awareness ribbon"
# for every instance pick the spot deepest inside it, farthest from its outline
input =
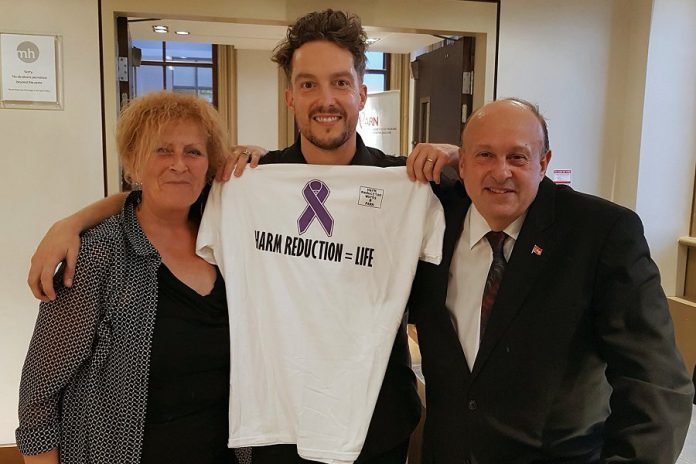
(315, 193)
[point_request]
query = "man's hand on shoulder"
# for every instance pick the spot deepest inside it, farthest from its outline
(61, 242)
(427, 160)
(237, 159)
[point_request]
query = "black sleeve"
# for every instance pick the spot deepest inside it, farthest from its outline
(382, 160)
(652, 393)
(62, 342)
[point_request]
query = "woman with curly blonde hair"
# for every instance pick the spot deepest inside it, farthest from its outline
(131, 363)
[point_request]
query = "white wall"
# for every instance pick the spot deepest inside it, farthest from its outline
(584, 63)
(624, 108)
(617, 81)
(556, 54)
(668, 143)
(257, 99)
(52, 166)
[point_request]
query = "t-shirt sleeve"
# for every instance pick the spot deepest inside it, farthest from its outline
(433, 230)
(209, 230)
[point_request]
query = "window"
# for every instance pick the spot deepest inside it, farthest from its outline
(181, 67)
(377, 71)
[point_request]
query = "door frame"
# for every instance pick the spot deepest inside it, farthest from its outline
(442, 17)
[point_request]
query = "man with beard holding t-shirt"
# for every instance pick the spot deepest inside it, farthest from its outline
(323, 56)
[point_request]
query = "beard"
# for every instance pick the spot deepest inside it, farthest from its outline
(326, 142)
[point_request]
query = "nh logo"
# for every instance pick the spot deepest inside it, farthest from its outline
(27, 52)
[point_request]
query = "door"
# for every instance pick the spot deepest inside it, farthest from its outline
(443, 92)
(124, 71)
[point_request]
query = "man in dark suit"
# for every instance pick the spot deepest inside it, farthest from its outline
(545, 334)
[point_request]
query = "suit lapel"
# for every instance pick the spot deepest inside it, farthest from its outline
(455, 205)
(522, 270)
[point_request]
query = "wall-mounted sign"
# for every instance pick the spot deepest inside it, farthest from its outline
(562, 176)
(379, 121)
(30, 71)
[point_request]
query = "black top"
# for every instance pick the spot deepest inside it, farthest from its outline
(187, 405)
(397, 411)
(364, 156)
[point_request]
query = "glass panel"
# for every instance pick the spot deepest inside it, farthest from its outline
(375, 60)
(152, 49)
(181, 79)
(188, 52)
(148, 79)
(374, 82)
(191, 80)
(205, 83)
(205, 78)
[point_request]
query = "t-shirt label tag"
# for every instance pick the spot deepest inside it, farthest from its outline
(370, 196)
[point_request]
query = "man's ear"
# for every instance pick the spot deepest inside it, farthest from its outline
(363, 96)
(289, 98)
(544, 162)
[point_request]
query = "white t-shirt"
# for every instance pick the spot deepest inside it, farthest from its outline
(318, 262)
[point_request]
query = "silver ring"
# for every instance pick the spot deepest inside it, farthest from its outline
(246, 153)
(430, 159)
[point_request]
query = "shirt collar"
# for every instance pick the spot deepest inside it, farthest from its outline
(362, 155)
(138, 240)
(478, 227)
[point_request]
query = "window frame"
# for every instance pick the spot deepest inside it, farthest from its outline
(164, 64)
(385, 71)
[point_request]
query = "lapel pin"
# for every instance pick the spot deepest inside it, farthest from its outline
(537, 250)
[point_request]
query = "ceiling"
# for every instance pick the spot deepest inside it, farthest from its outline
(262, 37)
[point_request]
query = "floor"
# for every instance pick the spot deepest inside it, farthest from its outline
(688, 455)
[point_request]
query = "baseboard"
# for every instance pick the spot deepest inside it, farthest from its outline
(9, 454)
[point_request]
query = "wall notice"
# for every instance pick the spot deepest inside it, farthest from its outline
(379, 121)
(28, 68)
(562, 176)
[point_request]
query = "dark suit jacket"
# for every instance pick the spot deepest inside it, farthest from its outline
(578, 362)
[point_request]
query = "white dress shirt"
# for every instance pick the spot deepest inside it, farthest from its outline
(467, 277)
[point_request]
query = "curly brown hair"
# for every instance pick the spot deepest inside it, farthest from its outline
(339, 27)
(143, 119)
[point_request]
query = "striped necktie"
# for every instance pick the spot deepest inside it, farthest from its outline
(495, 275)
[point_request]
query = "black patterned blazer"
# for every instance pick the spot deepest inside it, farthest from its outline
(84, 382)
